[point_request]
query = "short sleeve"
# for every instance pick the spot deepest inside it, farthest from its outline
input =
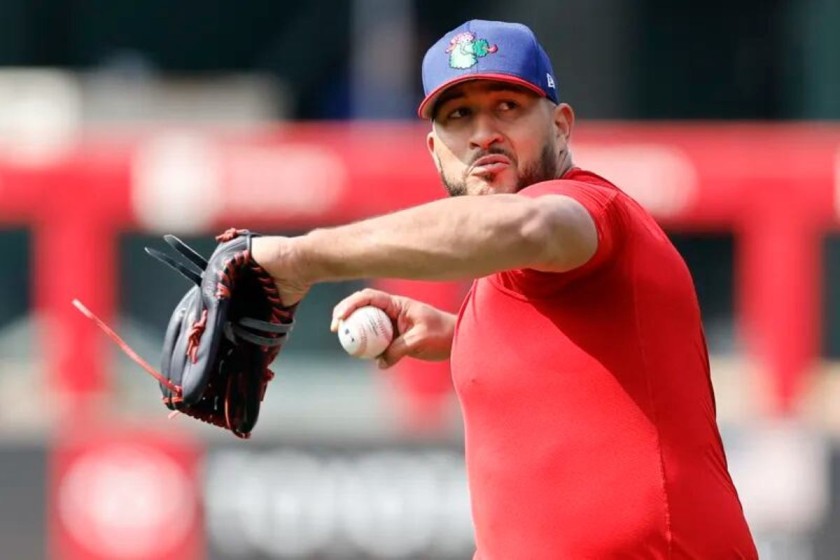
(601, 203)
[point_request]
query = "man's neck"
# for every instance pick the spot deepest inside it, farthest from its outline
(565, 166)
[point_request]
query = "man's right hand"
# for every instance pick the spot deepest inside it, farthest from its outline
(422, 331)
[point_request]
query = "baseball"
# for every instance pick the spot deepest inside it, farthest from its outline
(366, 333)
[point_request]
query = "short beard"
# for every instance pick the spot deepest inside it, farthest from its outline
(544, 169)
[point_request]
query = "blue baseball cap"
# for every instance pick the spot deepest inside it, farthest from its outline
(486, 50)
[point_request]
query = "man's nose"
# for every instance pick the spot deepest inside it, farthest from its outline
(485, 133)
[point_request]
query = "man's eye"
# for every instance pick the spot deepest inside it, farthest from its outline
(508, 105)
(458, 113)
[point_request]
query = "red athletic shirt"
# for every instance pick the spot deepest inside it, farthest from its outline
(588, 406)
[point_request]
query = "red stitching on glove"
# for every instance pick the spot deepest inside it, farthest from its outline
(222, 291)
(227, 275)
(230, 233)
(268, 375)
(278, 312)
(230, 427)
(194, 336)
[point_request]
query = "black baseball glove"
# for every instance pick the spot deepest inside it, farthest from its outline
(223, 334)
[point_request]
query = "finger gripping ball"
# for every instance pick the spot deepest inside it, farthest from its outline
(366, 333)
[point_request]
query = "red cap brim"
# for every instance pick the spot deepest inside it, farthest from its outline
(428, 103)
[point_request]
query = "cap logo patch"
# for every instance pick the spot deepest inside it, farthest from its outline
(465, 49)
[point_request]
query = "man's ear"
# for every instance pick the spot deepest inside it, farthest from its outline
(564, 121)
(430, 145)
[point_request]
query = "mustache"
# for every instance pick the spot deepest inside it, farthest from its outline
(491, 152)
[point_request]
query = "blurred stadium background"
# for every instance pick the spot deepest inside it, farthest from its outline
(121, 120)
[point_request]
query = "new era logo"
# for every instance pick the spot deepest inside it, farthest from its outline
(549, 80)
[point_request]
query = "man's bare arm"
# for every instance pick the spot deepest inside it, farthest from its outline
(451, 239)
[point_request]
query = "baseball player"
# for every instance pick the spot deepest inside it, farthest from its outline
(578, 355)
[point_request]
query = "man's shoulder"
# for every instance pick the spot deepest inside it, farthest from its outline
(575, 181)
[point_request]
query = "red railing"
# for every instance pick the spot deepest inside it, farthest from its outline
(774, 186)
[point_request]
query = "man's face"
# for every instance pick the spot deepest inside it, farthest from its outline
(492, 137)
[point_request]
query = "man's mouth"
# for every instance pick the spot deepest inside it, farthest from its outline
(490, 164)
